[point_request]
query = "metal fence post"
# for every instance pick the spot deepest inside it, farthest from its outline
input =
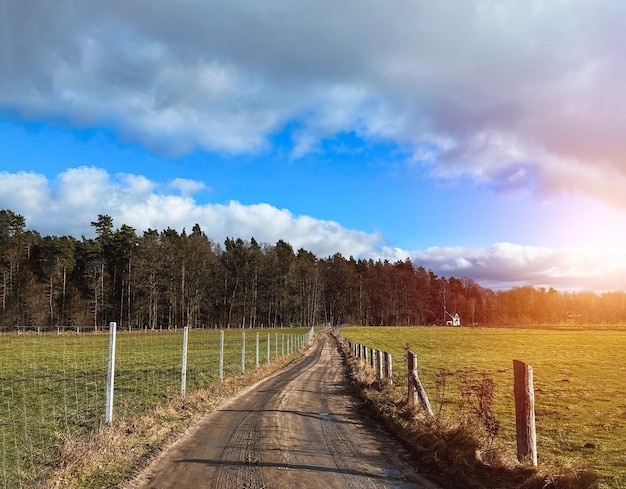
(183, 376)
(243, 352)
(108, 402)
(257, 349)
(220, 373)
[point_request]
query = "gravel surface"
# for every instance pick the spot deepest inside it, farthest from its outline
(301, 428)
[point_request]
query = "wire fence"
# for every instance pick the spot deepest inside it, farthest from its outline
(53, 385)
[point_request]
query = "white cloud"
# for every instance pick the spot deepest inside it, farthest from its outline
(515, 93)
(187, 187)
(505, 265)
(69, 203)
(27, 189)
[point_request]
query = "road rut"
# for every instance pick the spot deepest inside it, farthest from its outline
(300, 428)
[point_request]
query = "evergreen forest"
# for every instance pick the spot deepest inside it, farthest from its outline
(167, 279)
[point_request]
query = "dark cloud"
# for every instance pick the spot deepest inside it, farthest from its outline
(482, 88)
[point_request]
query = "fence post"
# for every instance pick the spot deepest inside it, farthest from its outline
(108, 401)
(380, 366)
(388, 367)
(257, 349)
(269, 350)
(243, 352)
(183, 376)
(220, 373)
(416, 390)
(525, 413)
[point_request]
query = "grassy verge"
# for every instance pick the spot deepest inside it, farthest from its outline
(456, 449)
(111, 456)
(52, 386)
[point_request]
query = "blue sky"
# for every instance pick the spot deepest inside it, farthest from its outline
(481, 140)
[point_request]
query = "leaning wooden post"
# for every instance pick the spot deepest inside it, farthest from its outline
(108, 399)
(416, 390)
(525, 413)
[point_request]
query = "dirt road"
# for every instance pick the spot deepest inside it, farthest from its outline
(298, 429)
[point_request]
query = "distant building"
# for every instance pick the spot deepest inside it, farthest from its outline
(454, 320)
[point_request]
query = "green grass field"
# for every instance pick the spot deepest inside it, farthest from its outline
(52, 387)
(579, 380)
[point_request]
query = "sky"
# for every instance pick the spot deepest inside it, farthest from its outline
(481, 139)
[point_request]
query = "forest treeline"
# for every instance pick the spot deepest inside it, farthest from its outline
(167, 279)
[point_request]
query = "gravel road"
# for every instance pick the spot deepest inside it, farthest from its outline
(300, 428)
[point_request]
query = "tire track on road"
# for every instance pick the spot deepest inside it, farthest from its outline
(300, 428)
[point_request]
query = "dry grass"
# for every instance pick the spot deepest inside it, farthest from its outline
(453, 455)
(457, 455)
(580, 394)
(114, 454)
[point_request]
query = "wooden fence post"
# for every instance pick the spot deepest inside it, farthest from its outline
(388, 367)
(380, 366)
(525, 413)
(374, 356)
(416, 390)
